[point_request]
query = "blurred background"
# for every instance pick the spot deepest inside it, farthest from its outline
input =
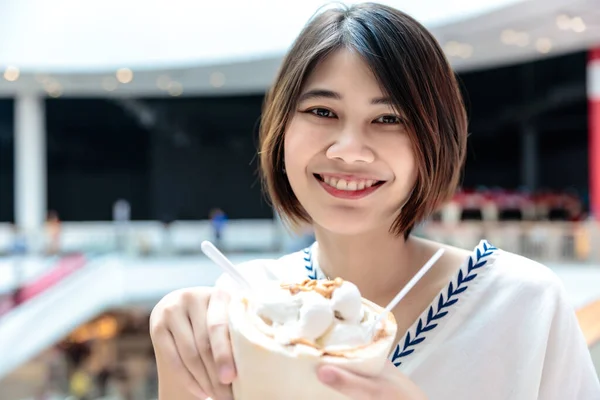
(128, 133)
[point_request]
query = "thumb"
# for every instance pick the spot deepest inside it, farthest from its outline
(354, 386)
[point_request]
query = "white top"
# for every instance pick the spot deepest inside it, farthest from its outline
(502, 329)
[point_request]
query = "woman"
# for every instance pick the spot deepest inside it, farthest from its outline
(53, 228)
(363, 135)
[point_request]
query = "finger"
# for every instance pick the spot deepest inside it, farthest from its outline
(196, 309)
(354, 386)
(403, 384)
(218, 335)
(222, 391)
(189, 354)
(168, 351)
(389, 368)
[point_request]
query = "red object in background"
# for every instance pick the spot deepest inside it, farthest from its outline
(593, 84)
(63, 268)
(544, 201)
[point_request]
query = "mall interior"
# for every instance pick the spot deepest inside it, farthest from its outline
(128, 135)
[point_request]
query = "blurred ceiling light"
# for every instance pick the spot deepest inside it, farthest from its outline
(512, 37)
(110, 84)
(51, 84)
(543, 45)
(11, 73)
(217, 79)
(175, 89)
(452, 48)
(124, 75)
(107, 327)
(563, 22)
(457, 49)
(53, 87)
(466, 51)
(522, 39)
(56, 93)
(163, 82)
(577, 25)
(508, 36)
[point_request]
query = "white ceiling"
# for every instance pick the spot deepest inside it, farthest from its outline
(96, 35)
(191, 47)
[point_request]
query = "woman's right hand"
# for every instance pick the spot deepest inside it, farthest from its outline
(190, 335)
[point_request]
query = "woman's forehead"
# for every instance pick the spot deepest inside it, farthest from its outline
(344, 72)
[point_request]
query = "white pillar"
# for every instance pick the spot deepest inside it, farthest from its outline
(30, 163)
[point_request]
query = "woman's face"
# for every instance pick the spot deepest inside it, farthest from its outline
(348, 156)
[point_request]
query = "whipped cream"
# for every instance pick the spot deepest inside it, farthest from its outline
(327, 315)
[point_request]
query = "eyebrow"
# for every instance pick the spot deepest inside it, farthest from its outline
(330, 94)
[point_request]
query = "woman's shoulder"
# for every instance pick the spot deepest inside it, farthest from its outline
(509, 275)
(526, 281)
(509, 269)
(525, 272)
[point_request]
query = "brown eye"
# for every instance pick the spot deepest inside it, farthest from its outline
(322, 112)
(388, 119)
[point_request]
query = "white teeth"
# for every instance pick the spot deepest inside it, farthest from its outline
(343, 184)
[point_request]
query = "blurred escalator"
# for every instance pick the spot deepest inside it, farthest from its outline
(46, 318)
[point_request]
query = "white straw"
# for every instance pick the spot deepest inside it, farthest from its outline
(219, 258)
(407, 288)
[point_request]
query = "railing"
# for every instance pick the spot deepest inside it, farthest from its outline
(553, 242)
(152, 237)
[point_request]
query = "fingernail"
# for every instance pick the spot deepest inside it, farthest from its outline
(226, 374)
(327, 375)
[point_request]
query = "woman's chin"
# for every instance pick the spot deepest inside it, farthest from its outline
(346, 225)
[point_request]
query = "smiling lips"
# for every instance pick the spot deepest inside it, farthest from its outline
(348, 187)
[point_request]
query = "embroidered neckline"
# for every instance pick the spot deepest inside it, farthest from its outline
(448, 297)
(308, 263)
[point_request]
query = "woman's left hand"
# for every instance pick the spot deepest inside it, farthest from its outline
(389, 385)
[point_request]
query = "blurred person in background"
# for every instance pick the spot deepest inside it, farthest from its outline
(218, 222)
(364, 135)
(102, 381)
(166, 234)
(53, 230)
(18, 244)
(122, 219)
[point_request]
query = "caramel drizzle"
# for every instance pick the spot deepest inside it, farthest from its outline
(324, 287)
(305, 342)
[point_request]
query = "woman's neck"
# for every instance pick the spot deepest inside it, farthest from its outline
(378, 262)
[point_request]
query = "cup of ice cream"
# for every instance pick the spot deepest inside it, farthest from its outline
(282, 332)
